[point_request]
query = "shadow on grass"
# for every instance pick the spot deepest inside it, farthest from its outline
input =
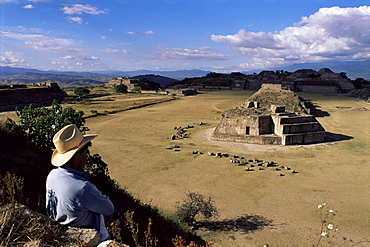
(315, 109)
(333, 137)
(245, 223)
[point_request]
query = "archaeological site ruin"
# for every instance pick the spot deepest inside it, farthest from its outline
(273, 115)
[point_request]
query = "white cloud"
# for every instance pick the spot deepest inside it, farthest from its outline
(28, 6)
(75, 19)
(330, 33)
(201, 53)
(59, 63)
(140, 33)
(109, 50)
(70, 57)
(11, 59)
(8, 1)
(42, 43)
(80, 8)
(90, 58)
(21, 29)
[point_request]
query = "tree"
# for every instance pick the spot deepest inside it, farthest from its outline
(136, 89)
(343, 75)
(358, 83)
(121, 88)
(40, 124)
(81, 91)
(194, 205)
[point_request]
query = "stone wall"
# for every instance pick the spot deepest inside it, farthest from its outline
(181, 92)
(296, 119)
(245, 125)
(43, 96)
(303, 138)
(264, 140)
(299, 128)
(317, 89)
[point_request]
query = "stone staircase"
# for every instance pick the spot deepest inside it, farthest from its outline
(298, 129)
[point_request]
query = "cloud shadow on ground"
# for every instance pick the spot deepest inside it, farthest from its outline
(245, 224)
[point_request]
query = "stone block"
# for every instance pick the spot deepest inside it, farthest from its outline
(87, 236)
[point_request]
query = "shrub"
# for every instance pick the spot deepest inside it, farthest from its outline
(121, 88)
(136, 89)
(81, 91)
(39, 125)
(194, 205)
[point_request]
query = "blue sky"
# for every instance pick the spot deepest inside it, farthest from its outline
(213, 35)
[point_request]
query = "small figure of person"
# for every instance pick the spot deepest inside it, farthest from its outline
(71, 198)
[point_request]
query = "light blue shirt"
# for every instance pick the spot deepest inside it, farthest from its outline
(71, 199)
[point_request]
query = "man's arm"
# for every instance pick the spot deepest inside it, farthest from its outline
(95, 201)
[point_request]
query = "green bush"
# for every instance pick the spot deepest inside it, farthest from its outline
(195, 204)
(81, 91)
(121, 88)
(136, 89)
(39, 125)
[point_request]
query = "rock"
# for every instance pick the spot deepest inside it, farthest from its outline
(34, 243)
(111, 243)
(88, 236)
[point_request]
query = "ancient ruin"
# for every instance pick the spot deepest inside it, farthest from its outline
(272, 115)
(132, 83)
(20, 95)
(302, 80)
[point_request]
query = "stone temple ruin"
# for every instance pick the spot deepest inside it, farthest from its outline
(272, 115)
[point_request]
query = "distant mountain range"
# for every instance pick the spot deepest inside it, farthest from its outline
(66, 79)
(178, 74)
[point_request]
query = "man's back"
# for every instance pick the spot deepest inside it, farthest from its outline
(73, 200)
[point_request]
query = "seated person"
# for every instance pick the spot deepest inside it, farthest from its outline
(71, 198)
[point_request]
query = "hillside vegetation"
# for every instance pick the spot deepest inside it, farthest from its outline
(25, 156)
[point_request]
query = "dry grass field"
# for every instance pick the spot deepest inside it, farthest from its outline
(134, 143)
(256, 208)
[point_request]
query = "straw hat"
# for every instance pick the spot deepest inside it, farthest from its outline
(67, 142)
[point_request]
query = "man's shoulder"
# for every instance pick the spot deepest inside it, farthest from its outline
(63, 174)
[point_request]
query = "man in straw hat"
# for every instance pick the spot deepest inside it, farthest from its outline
(71, 198)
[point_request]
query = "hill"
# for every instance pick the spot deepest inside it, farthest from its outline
(162, 80)
(63, 80)
(10, 75)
